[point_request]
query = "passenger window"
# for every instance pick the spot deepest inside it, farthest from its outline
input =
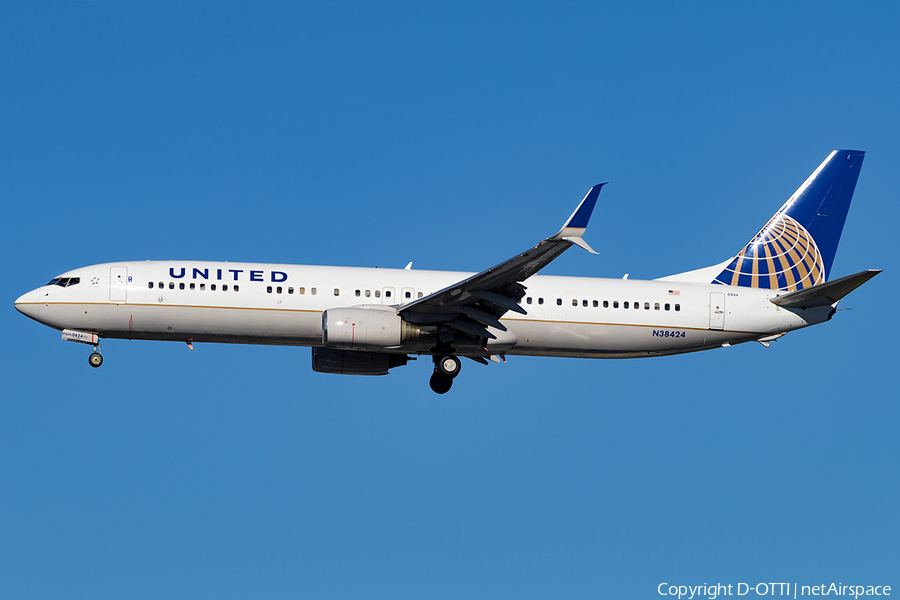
(625, 305)
(387, 293)
(596, 304)
(224, 287)
(637, 305)
(358, 293)
(408, 294)
(290, 290)
(150, 285)
(574, 302)
(646, 306)
(559, 301)
(171, 285)
(337, 292)
(202, 286)
(269, 289)
(312, 291)
(528, 300)
(677, 307)
(606, 304)
(540, 300)
(212, 287)
(278, 290)
(584, 303)
(301, 291)
(668, 306)
(419, 295)
(160, 285)
(236, 288)
(181, 286)
(656, 306)
(368, 293)
(378, 293)
(193, 285)
(616, 304)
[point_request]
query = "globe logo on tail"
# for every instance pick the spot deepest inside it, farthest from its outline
(782, 256)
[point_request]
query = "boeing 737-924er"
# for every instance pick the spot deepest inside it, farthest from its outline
(366, 321)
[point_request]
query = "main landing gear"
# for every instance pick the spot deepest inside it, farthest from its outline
(446, 368)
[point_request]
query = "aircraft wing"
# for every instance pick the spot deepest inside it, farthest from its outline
(478, 302)
(825, 294)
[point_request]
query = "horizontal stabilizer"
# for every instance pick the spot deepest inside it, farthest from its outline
(825, 294)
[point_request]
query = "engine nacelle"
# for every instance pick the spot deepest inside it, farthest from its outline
(365, 328)
(344, 362)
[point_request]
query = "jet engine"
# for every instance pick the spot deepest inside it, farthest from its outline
(365, 328)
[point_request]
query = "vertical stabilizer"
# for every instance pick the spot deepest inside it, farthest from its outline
(796, 248)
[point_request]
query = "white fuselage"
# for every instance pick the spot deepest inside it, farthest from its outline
(283, 304)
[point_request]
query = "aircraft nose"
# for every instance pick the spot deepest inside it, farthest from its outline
(29, 304)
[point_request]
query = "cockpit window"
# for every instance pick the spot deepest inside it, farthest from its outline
(65, 281)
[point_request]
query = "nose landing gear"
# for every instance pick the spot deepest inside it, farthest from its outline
(445, 369)
(86, 337)
(95, 359)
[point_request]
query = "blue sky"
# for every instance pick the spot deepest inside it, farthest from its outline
(453, 136)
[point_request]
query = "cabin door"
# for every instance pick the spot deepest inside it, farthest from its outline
(717, 310)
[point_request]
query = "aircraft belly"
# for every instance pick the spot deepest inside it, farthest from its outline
(603, 340)
(245, 325)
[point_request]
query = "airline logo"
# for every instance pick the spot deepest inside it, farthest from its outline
(227, 274)
(783, 256)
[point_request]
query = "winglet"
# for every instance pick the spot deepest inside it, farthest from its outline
(578, 222)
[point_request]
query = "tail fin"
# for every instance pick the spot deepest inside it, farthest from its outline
(796, 248)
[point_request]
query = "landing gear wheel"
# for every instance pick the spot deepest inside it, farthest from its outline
(448, 366)
(95, 359)
(440, 384)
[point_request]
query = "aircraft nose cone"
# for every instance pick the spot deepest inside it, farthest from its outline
(29, 304)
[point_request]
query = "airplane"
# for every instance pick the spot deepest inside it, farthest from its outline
(366, 321)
